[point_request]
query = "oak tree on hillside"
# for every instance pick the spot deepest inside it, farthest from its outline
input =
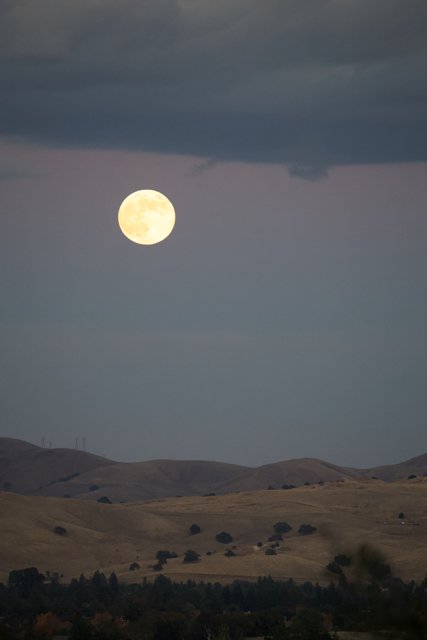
(306, 529)
(191, 556)
(282, 527)
(224, 537)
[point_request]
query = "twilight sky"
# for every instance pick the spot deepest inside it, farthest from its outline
(286, 314)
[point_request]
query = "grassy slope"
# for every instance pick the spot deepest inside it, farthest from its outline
(109, 537)
(26, 468)
(152, 479)
(31, 470)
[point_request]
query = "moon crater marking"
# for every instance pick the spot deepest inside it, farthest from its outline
(146, 217)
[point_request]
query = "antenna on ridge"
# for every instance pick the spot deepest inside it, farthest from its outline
(76, 446)
(43, 442)
(84, 443)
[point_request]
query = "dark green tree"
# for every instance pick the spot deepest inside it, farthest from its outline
(113, 583)
(81, 630)
(224, 537)
(306, 529)
(191, 556)
(25, 580)
(308, 625)
(163, 555)
(282, 527)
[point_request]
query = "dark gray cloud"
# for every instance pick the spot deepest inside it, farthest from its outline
(16, 173)
(310, 84)
(308, 171)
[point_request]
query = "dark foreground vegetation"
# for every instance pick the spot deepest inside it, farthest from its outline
(33, 606)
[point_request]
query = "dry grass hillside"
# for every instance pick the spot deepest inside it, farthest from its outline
(111, 537)
(31, 470)
(26, 468)
(292, 472)
(136, 481)
(390, 472)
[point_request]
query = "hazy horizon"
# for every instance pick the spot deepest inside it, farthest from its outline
(52, 446)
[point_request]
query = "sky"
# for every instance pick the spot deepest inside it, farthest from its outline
(286, 314)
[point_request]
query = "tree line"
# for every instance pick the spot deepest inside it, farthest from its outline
(102, 608)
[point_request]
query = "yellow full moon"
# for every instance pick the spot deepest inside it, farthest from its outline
(146, 217)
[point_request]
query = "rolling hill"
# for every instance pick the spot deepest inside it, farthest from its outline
(390, 472)
(110, 537)
(28, 469)
(31, 470)
(135, 481)
(291, 472)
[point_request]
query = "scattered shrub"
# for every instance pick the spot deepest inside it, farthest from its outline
(401, 516)
(274, 537)
(104, 500)
(195, 529)
(334, 567)
(60, 531)
(191, 556)
(306, 529)
(224, 537)
(162, 556)
(270, 487)
(282, 527)
(259, 544)
(270, 552)
(157, 567)
(288, 486)
(412, 476)
(342, 560)
(229, 553)
(134, 566)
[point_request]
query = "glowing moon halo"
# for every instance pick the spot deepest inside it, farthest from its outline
(146, 217)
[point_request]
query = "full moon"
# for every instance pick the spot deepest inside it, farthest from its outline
(146, 217)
